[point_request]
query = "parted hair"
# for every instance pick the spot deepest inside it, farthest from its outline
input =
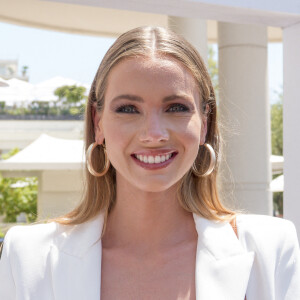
(195, 194)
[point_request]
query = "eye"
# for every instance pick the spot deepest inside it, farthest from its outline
(177, 107)
(127, 109)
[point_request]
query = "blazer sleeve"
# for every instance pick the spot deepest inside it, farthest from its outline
(287, 276)
(7, 285)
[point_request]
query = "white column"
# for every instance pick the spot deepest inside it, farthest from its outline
(59, 191)
(193, 30)
(245, 114)
(291, 123)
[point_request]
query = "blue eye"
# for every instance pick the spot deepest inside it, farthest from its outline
(127, 109)
(177, 107)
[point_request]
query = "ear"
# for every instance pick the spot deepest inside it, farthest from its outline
(204, 125)
(99, 137)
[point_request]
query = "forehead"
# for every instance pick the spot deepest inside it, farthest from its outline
(157, 74)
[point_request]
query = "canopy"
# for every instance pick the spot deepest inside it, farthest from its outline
(3, 83)
(22, 92)
(44, 91)
(47, 153)
(277, 185)
(277, 164)
(18, 91)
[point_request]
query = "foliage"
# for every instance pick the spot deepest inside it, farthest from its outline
(71, 95)
(278, 202)
(277, 128)
(24, 70)
(71, 102)
(2, 105)
(213, 69)
(39, 108)
(18, 195)
(10, 153)
(277, 145)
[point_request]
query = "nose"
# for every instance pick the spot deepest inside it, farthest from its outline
(153, 129)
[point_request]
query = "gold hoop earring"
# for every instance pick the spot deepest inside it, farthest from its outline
(211, 164)
(89, 160)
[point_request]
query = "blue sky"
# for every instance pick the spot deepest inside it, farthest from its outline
(50, 53)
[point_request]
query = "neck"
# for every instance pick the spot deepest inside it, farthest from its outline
(147, 220)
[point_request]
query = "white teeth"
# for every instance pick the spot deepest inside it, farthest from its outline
(150, 159)
(153, 159)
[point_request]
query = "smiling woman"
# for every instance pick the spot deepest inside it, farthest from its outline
(151, 224)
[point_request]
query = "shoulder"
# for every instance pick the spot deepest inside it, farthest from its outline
(263, 225)
(34, 237)
(276, 267)
(264, 233)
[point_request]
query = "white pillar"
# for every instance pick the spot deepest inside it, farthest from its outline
(291, 123)
(59, 191)
(193, 30)
(245, 113)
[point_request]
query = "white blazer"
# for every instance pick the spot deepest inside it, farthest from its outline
(52, 261)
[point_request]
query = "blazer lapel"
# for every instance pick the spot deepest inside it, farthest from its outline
(76, 261)
(222, 265)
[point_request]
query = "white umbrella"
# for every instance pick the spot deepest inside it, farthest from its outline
(277, 164)
(17, 92)
(3, 83)
(47, 153)
(44, 91)
(277, 185)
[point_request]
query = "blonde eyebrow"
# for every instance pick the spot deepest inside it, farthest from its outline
(128, 97)
(140, 99)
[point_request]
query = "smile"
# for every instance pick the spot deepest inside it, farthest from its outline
(154, 159)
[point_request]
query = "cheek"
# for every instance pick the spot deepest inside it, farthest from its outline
(117, 138)
(190, 131)
(192, 137)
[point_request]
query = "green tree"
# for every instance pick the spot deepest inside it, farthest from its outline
(71, 94)
(277, 128)
(277, 144)
(18, 195)
(24, 70)
(72, 98)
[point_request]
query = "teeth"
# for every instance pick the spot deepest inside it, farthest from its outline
(153, 159)
(150, 159)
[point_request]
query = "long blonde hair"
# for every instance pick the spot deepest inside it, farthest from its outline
(195, 194)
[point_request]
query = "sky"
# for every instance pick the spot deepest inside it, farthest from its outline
(50, 53)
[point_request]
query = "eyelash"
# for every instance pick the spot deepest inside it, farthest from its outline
(124, 109)
(128, 109)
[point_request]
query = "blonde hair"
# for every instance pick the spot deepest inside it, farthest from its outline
(195, 194)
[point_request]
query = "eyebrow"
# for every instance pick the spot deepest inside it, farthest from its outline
(140, 99)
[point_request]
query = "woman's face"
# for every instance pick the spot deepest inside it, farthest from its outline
(151, 122)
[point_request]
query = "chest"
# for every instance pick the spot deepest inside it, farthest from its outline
(157, 276)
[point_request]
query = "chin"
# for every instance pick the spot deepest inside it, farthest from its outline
(153, 186)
